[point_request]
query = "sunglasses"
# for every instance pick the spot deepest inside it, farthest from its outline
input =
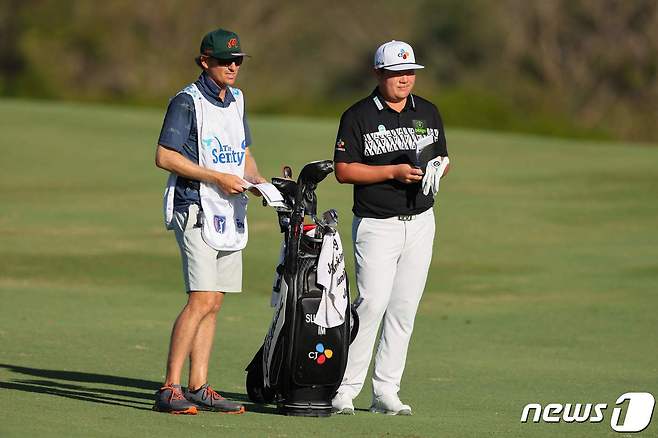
(227, 62)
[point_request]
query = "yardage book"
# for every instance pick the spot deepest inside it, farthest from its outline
(271, 194)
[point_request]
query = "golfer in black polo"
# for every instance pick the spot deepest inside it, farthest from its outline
(393, 228)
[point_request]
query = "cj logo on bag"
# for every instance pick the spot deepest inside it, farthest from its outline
(321, 354)
(220, 223)
(635, 417)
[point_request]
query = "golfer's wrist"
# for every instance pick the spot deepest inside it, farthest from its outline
(392, 171)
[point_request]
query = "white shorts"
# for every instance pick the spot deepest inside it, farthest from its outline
(205, 268)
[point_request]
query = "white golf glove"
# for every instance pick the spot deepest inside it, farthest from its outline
(433, 173)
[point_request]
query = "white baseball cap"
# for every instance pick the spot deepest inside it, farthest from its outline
(396, 56)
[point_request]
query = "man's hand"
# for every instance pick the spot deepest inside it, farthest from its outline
(433, 173)
(174, 162)
(251, 173)
(407, 174)
(229, 183)
(254, 179)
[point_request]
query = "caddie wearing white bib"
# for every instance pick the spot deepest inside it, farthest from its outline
(204, 144)
(377, 149)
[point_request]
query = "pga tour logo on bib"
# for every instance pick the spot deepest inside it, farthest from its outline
(220, 223)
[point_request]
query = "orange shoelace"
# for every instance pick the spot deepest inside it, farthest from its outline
(214, 395)
(176, 394)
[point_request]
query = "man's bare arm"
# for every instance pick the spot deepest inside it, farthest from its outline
(359, 173)
(172, 161)
(251, 172)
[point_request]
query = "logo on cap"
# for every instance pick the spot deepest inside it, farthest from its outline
(403, 54)
(233, 42)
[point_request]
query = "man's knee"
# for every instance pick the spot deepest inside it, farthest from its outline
(205, 303)
(217, 304)
(370, 310)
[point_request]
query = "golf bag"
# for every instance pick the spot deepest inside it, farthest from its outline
(300, 364)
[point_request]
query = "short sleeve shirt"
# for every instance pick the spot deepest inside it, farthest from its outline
(179, 133)
(372, 133)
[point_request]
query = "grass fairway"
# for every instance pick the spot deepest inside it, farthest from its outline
(542, 287)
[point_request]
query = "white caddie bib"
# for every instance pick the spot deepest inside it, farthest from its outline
(222, 147)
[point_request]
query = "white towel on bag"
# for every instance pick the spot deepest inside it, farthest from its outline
(332, 277)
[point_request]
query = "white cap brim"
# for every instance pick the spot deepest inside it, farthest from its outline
(402, 67)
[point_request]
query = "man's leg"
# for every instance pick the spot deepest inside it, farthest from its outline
(227, 276)
(377, 245)
(170, 397)
(399, 319)
(199, 306)
(202, 345)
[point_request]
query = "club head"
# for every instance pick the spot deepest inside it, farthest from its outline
(330, 218)
(288, 189)
(315, 171)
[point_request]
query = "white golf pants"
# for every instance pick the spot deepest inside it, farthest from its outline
(392, 260)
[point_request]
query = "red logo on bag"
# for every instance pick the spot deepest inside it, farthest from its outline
(233, 42)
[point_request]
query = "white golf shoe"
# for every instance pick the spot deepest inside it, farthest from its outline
(389, 405)
(342, 404)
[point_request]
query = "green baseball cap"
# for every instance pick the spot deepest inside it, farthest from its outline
(221, 44)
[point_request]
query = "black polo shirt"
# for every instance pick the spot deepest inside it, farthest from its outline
(372, 133)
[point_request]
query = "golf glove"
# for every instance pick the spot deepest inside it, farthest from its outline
(433, 173)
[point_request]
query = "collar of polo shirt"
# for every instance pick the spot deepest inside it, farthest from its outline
(210, 91)
(380, 103)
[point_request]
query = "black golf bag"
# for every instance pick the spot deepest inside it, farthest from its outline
(300, 364)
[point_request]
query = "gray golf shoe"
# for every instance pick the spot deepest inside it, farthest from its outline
(207, 399)
(170, 399)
